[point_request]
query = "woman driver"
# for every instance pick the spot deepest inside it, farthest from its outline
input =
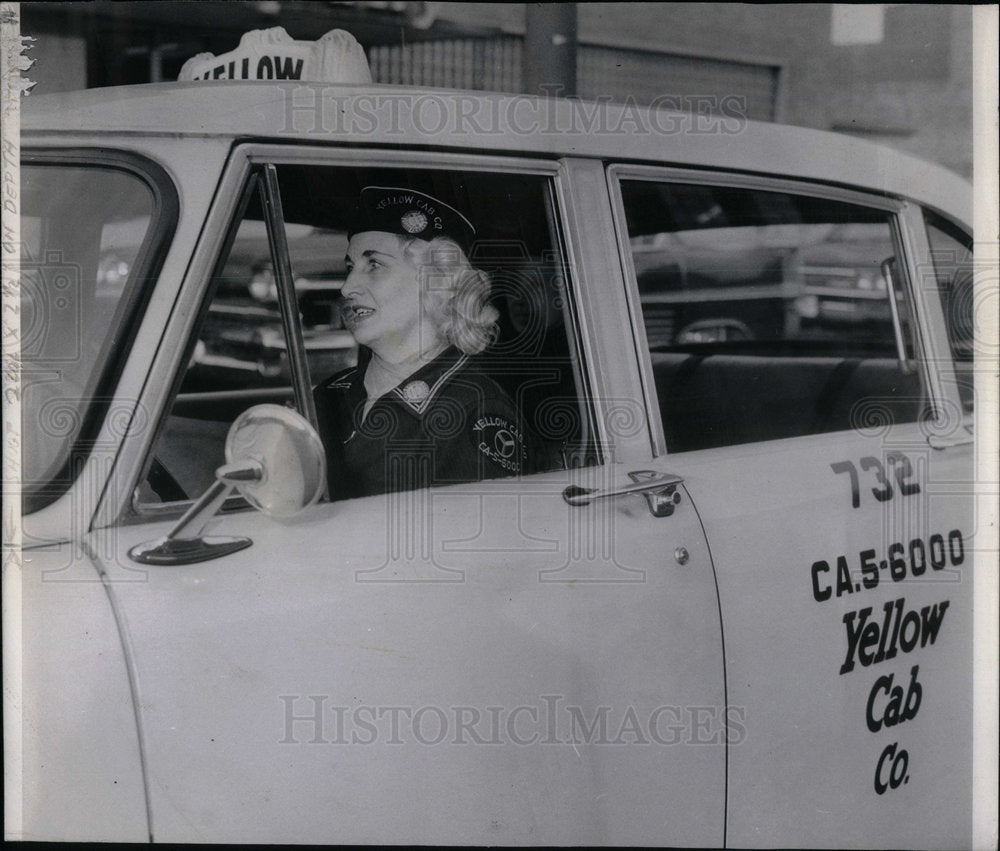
(416, 410)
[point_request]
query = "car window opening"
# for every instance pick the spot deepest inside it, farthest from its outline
(241, 356)
(767, 314)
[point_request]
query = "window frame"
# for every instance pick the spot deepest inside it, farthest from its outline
(148, 263)
(954, 416)
(952, 230)
(245, 168)
(897, 208)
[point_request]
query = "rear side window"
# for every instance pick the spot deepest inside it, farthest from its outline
(769, 314)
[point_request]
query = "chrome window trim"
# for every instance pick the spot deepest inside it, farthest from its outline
(615, 376)
(925, 323)
(949, 413)
(766, 182)
(657, 439)
(259, 153)
(119, 506)
(240, 181)
(246, 157)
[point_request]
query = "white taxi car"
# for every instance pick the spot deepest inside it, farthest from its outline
(732, 606)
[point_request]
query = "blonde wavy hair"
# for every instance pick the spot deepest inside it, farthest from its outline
(455, 295)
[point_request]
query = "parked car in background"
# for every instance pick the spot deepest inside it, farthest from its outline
(243, 343)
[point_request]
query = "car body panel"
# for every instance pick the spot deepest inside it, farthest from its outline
(80, 741)
(389, 115)
(500, 597)
(808, 770)
(782, 515)
(439, 602)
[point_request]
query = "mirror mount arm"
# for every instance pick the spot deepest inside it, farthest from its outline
(184, 543)
(274, 458)
(197, 517)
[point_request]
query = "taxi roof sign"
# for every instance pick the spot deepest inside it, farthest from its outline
(272, 54)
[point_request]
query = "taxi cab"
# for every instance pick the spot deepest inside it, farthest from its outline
(733, 605)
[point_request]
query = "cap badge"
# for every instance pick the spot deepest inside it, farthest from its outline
(414, 222)
(416, 391)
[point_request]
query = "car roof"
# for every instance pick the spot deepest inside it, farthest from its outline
(493, 122)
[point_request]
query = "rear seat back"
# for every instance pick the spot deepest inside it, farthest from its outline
(877, 394)
(721, 400)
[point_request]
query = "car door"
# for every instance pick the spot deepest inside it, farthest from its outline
(799, 368)
(483, 662)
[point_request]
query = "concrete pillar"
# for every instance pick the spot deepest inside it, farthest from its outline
(549, 55)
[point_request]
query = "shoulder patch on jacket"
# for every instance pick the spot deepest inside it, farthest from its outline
(500, 440)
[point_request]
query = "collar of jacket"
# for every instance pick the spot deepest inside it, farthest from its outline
(417, 391)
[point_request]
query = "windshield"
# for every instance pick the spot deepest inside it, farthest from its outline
(83, 229)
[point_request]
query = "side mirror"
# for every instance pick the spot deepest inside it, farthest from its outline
(274, 459)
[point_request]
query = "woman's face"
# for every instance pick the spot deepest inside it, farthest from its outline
(381, 298)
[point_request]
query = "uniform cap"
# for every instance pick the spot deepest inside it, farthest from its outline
(407, 212)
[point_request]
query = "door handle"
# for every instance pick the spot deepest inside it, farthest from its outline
(660, 490)
(939, 442)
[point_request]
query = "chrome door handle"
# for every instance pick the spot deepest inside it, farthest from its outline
(938, 442)
(660, 490)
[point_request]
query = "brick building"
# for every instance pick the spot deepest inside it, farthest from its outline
(896, 74)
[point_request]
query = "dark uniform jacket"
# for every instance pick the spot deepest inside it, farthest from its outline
(449, 422)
